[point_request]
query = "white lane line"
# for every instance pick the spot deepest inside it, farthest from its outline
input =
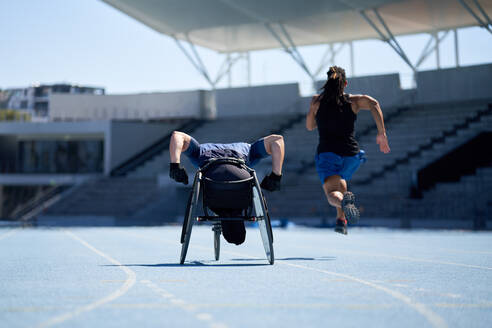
(465, 251)
(454, 305)
(405, 258)
(217, 325)
(206, 317)
(414, 259)
(8, 234)
(129, 282)
(425, 290)
(432, 317)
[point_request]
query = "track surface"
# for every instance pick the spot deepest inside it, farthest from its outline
(129, 277)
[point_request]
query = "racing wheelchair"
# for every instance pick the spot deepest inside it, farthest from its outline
(243, 198)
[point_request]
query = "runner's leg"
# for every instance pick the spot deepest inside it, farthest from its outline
(334, 188)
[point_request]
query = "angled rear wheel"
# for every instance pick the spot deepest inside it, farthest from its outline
(189, 218)
(263, 221)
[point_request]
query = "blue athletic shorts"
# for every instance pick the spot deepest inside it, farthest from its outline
(250, 153)
(328, 164)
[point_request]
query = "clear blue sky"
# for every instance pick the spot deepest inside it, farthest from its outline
(88, 42)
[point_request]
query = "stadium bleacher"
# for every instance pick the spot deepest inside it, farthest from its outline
(221, 130)
(420, 133)
(418, 136)
(107, 197)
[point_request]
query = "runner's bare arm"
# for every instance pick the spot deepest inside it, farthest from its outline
(364, 102)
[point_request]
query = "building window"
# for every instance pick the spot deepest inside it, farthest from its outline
(57, 156)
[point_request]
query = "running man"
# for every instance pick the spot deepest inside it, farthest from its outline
(338, 156)
(199, 154)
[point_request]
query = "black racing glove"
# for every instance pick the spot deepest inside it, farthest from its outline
(271, 182)
(178, 173)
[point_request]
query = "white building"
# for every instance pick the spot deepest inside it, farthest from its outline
(36, 99)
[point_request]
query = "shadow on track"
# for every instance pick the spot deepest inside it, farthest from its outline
(322, 258)
(191, 264)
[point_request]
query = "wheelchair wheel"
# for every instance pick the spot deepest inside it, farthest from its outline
(266, 230)
(184, 246)
(271, 258)
(216, 229)
(185, 220)
(267, 241)
(268, 222)
(188, 220)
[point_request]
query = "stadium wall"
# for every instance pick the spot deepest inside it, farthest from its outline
(127, 139)
(261, 100)
(385, 88)
(187, 104)
(455, 84)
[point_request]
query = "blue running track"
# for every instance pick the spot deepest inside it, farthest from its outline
(130, 277)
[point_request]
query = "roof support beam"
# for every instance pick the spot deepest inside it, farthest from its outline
(195, 59)
(425, 52)
(484, 22)
(430, 47)
(456, 48)
(289, 46)
(352, 58)
(229, 78)
(438, 55)
(325, 60)
(209, 110)
(480, 8)
(248, 67)
(386, 35)
(226, 67)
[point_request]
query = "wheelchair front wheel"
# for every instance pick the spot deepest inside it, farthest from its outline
(216, 228)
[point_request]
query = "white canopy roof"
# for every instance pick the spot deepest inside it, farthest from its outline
(243, 25)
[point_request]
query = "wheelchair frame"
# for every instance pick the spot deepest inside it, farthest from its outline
(258, 212)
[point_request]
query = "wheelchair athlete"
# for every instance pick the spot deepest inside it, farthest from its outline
(272, 145)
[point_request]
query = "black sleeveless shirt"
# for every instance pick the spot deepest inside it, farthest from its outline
(336, 129)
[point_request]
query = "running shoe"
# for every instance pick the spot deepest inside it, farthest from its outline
(348, 206)
(341, 226)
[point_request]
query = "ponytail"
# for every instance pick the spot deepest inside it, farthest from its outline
(334, 86)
